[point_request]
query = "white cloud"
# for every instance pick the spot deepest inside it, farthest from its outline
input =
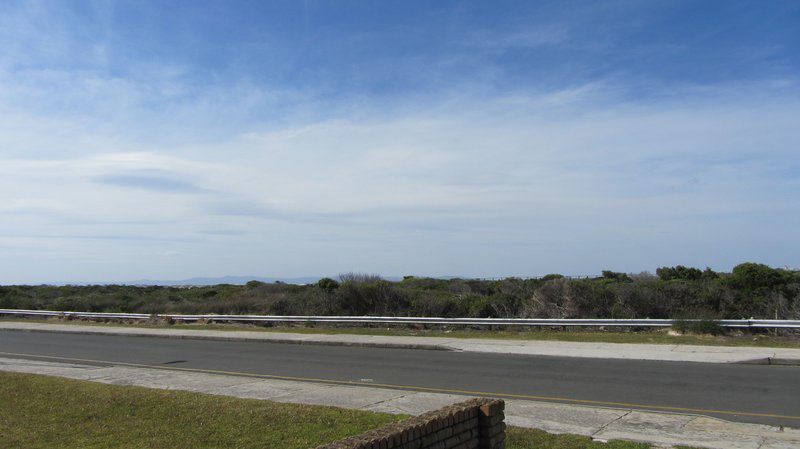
(532, 190)
(149, 174)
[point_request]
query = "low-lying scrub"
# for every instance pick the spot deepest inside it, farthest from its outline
(699, 326)
(750, 290)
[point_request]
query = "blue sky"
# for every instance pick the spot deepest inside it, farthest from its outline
(177, 139)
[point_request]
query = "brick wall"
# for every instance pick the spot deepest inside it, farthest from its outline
(473, 424)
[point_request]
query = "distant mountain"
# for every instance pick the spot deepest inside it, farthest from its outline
(235, 280)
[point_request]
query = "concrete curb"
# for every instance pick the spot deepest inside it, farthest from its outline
(770, 361)
(784, 362)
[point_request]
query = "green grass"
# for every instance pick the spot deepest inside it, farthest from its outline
(518, 438)
(644, 337)
(47, 412)
(41, 412)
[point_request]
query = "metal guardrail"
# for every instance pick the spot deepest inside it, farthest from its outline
(751, 324)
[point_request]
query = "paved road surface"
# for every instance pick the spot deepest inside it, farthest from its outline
(750, 390)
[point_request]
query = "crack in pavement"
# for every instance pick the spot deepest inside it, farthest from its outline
(387, 400)
(605, 426)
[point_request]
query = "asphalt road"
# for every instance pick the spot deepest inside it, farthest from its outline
(748, 390)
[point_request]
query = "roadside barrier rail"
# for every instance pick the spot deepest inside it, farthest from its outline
(542, 322)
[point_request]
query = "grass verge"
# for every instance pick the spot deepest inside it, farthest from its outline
(48, 412)
(41, 412)
(642, 337)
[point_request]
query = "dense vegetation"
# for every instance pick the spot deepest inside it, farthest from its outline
(750, 290)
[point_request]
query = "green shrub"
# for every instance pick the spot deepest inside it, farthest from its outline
(703, 326)
(550, 277)
(327, 285)
(679, 272)
(751, 276)
(616, 277)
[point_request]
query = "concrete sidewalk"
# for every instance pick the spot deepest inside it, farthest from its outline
(675, 353)
(664, 429)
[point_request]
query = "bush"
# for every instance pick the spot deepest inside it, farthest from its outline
(327, 285)
(359, 278)
(254, 284)
(682, 273)
(616, 277)
(703, 326)
(378, 298)
(751, 276)
(438, 304)
(550, 277)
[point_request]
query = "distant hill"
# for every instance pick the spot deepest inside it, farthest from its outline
(235, 280)
(203, 281)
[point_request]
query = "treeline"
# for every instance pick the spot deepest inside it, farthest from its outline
(750, 290)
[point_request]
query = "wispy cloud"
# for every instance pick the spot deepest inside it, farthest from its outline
(520, 144)
(147, 181)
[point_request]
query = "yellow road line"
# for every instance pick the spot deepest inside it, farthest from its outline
(416, 388)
